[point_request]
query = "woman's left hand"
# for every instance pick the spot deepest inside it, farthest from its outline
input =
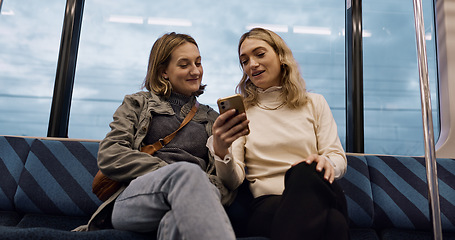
(322, 164)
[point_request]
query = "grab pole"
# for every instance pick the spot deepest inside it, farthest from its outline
(430, 155)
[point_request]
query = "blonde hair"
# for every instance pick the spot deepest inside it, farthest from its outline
(294, 92)
(159, 59)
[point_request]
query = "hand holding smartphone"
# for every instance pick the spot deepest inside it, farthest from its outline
(232, 102)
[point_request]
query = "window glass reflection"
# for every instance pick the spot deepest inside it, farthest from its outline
(116, 41)
(30, 38)
(393, 116)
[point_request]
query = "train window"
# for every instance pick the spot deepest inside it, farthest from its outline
(392, 106)
(116, 40)
(30, 39)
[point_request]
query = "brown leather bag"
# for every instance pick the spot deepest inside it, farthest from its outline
(103, 187)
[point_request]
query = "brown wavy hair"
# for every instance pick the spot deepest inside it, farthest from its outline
(294, 92)
(159, 59)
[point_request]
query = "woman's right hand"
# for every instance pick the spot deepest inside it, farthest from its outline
(226, 129)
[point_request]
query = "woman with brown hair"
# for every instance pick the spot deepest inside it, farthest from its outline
(174, 192)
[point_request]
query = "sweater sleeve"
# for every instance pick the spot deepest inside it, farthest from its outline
(230, 170)
(117, 157)
(329, 144)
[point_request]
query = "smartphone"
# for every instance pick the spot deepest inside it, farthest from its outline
(231, 102)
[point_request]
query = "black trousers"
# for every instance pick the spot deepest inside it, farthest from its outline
(309, 208)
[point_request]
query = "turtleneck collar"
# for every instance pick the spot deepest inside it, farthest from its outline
(270, 89)
(178, 99)
(270, 98)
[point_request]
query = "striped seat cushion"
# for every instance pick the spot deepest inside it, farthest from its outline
(57, 179)
(357, 189)
(13, 153)
(400, 192)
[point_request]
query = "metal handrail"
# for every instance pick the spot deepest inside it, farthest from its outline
(430, 154)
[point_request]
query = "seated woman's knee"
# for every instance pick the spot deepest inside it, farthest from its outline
(304, 167)
(306, 172)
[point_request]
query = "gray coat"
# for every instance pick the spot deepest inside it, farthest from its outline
(119, 155)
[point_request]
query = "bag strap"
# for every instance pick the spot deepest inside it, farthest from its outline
(152, 148)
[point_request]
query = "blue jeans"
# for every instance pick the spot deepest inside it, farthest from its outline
(178, 201)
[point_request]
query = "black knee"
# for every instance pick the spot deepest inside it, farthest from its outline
(305, 173)
(304, 178)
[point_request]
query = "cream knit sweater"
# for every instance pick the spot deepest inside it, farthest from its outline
(277, 139)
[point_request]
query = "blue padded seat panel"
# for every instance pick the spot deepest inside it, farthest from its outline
(357, 189)
(13, 153)
(13, 233)
(57, 179)
(400, 192)
(66, 223)
(400, 234)
(9, 218)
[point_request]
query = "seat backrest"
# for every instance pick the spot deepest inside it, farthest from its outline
(57, 178)
(357, 188)
(400, 192)
(13, 153)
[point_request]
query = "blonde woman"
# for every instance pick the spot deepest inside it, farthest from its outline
(292, 155)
